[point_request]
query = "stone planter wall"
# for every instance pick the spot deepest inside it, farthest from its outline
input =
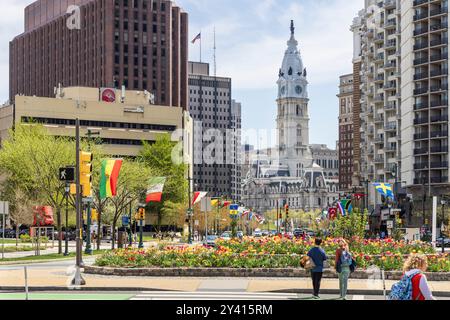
(243, 273)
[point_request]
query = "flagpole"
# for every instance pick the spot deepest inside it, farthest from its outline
(200, 46)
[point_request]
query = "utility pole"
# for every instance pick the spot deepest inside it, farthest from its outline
(190, 211)
(78, 279)
(67, 190)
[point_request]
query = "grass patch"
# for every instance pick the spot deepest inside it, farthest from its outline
(21, 249)
(53, 256)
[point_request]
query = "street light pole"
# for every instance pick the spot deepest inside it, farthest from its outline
(130, 237)
(78, 279)
(442, 225)
(66, 238)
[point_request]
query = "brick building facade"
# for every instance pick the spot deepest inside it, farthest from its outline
(141, 44)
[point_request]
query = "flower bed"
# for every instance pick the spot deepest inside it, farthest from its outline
(272, 253)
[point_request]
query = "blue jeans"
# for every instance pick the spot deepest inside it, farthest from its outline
(343, 280)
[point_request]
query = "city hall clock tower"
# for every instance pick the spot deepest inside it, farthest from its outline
(293, 114)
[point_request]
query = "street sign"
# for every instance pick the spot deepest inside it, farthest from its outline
(197, 223)
(4, 208)
(67, 174)
(141, 223)
(390, 224)
(234, 210)
(190, 211)
(125, 221)
(205, 205)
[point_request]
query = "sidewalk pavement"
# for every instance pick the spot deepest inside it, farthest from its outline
(58, 278)
(72, 246)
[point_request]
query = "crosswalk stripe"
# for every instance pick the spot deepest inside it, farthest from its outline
(212, 296)
(358, 297)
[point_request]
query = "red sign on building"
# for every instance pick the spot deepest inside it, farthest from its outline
(108, 95)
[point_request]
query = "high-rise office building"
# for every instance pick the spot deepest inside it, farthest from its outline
(141, 44)
(425, 74)
(217, 142)
(381, 90)
(346, 135)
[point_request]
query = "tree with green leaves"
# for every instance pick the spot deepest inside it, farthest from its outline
(31, 159)
(349, 226)
(158, 157)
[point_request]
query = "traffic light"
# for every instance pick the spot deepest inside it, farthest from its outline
(141, 214)
(94, 215)
(86, 159)
(73, 189)
(286, 208)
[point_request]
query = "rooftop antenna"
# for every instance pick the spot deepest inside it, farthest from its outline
(215, 49)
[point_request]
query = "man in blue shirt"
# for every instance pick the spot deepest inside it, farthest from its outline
(318, 256)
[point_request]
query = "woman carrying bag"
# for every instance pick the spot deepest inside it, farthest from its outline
(345, 265)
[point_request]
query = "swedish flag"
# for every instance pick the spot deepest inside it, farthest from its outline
(385, 189)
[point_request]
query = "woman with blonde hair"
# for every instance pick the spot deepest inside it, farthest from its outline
(344, 267)
(414, 267)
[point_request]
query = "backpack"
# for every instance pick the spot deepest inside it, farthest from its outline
(403, 289)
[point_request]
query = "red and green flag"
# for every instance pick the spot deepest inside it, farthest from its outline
(155, 191)
(109, 177)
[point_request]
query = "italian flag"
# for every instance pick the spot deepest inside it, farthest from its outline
(109, 177)
(155, 191)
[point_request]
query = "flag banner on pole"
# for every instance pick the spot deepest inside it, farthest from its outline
(214, 202)
(385, 189)
(345, 206)
(155, 191)
(332, 213)
(221, 204)
(198, 196)
(198, 37)
(260, 218)
(109, 177)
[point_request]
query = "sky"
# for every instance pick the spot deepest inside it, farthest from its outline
(251, 38)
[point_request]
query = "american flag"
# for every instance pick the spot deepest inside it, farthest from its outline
(198, 37)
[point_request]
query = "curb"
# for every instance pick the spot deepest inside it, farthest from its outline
(14, 263)
(363, 292)
(243, 273)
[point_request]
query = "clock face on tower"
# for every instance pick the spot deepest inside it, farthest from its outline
(298, 90)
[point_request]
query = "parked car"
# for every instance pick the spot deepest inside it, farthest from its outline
(265, 233)
(257, 234)
(298, 233)
(226, 236)
(446, 242)
(210, 241)
(240, 234)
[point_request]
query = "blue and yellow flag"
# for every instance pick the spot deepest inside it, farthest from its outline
(385, 189)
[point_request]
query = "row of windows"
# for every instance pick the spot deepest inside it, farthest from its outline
(135, 4)
(209, 101)
(210, 83)
(327, 164)
(101, 124)
(198, 108)
(210, 93)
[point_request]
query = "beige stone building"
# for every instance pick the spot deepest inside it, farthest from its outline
(123, 124)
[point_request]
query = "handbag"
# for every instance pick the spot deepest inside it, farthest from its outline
(309, 263)
(353, 266)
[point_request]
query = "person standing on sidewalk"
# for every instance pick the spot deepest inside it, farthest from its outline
(343, 262)
(318, 256)
(414, 267)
